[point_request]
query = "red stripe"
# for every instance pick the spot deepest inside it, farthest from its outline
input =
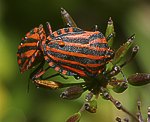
(64, 72)
(76, 54)
(81, 45)
(27, 44)
(98, 40)
(74, 62)
(77, 63)
(28, 53)
(74, 70)
(19, 61)
(55, 34)
(25, 66)
(85, 46)
(62, 31)
(33, 36)
(70, 29)
(85, 35)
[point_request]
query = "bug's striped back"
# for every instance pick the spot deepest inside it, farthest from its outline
(73, 51)
(29, 51)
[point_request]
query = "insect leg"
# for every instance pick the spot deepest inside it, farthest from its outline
(38, 72)
(49, 28)
(119, 86)
(67, 18)
(57, 74)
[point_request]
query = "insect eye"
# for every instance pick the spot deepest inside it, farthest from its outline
(61, 43)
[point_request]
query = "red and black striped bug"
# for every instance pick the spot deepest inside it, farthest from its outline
(70, 51)
(74, 52)
(29, 52)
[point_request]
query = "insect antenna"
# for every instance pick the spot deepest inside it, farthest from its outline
(49, 29)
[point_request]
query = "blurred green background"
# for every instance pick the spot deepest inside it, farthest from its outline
(39, 105)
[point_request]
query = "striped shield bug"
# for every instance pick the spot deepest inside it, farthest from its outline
(83, 54)
(29, 53)
(72, 51)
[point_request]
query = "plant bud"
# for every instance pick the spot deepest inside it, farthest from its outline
(110, 32)
(139, 79)
(148, 119)
(118, 119)
(122, 51)
(91, 106)
(67, 18)
(74, 118)
(72, 92)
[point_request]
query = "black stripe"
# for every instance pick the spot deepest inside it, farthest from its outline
(22, 61)
(81, 60)
(56, 64)
(77, 30)
(83, 50)
(96, 36)
(66, 30)
(74, 32)
(59, 63)
(86, 70)
(26, 48)
(28, 40)
(75, 40)
(82, 40)
(58, 32)
(100, 45)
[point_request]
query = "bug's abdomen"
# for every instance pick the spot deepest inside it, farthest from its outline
(29, 54)
(83, 53)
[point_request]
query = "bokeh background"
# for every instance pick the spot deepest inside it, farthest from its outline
(40, 105)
